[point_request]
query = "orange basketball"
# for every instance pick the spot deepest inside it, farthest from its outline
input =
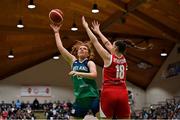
(56, 16)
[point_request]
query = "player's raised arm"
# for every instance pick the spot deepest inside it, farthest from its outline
(67, 56)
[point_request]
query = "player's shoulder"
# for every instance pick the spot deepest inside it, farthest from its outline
(90, 62)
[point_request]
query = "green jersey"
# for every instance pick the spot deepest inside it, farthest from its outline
(83, 87)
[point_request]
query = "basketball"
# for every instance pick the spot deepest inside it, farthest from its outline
(56, 16)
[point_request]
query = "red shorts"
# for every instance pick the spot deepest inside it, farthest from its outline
(114, 101)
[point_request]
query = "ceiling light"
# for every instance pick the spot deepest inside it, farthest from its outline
(55, 57)
(163, 53)
(11, 56)
(95, 8)
(20, 24)
(31, 4)
(74, 27)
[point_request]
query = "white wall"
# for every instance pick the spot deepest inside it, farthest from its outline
(53, 73)
(162, 88)
(139, 95)
(49, 73)
(12, 92)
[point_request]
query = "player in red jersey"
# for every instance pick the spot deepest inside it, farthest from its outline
(114, 94)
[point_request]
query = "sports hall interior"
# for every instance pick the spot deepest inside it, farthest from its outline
(153, 78)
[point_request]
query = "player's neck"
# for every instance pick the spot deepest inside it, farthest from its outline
(118, 54)
(82, 59)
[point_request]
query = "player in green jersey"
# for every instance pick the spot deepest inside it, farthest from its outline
(83, 75)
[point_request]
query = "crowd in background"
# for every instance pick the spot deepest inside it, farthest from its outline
(20, 110)
(57, 110)
(167, 110)
(16, 110)
(62, 110)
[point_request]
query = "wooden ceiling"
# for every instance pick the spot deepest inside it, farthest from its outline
(143, 21)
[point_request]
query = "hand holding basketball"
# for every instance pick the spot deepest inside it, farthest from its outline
(56, 27)
(56, 16)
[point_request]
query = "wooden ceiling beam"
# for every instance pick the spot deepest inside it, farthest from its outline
(138, 59)
(113, 18)
(174, 36)
(124, 9)
(167, 31)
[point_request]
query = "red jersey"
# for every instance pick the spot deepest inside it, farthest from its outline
(114, 86)
(116, 70)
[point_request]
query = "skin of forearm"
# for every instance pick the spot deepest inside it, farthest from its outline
(58, 41)
(102, 37)
(95, 42)
(87, 75)
(61, 47)
(105, 41)
(91, 35)
(93, 38)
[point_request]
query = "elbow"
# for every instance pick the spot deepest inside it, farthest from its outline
(94, 75)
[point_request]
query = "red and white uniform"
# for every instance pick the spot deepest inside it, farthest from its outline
(114, 95)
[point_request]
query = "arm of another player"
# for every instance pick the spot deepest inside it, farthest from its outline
(105, 41)
(105, 55)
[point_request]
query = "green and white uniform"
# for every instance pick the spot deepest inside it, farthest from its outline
(85, 89)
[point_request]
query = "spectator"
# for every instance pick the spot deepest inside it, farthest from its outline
(35, 104)
(18, 104)
(90, 116)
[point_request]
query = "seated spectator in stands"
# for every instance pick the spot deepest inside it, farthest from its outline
(69, 104)
(13, 104)
(54, 105)
(5, 114)
(23, 105)
(2, 105)
(50, 104)
(36, 104)
(89, 116)
(50, 114)
(28, 108)
(18, 104)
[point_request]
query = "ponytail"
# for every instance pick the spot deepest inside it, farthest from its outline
(131, 44)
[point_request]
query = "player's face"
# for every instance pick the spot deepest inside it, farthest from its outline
(83, 52)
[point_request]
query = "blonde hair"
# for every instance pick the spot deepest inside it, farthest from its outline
(88, 44)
